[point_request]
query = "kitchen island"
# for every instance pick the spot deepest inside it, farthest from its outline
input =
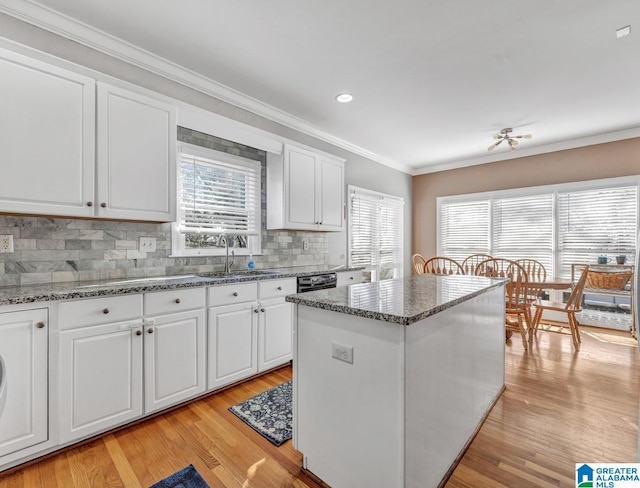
(392, 379)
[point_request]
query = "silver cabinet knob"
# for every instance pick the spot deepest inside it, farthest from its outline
(235, 293)
(350, 277)
(150, 330)
(178, 300)
(262, 309)
(255, 310)
(105, 311)
(40, 325)
(89, 204)
(138, 332)
(103, 205)
(279, 288)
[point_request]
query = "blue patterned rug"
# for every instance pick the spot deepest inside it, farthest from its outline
(269, 413)
(185, 478)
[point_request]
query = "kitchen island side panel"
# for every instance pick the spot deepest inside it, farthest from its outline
(350, 417)
(454, 372)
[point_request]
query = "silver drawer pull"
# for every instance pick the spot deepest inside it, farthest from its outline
(105, 311)
(351, 277)
(235, 293)
(178, 300)
(255, 310)
(40, 325)
(279, 288)
(262, 309)
(150, 330)
(138, 332)
(89, 204)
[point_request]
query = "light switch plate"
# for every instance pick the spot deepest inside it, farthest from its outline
(6, 243)
(147, 244)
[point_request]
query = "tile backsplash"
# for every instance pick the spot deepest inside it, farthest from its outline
(48, 250)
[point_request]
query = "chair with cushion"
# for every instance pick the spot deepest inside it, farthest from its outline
(471, 262)
(518, 306)
(418, 263)
(571, 308)
(442, 265)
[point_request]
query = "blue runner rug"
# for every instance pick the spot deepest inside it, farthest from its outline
(269, 413)
(185, 478)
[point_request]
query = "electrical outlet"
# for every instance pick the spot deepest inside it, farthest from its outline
(342, 352)
(6, 243)
(147, 244)
(305, 245)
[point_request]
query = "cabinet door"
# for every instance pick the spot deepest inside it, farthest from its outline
(100, 378)
(47, 133)
(300, 186)
(136, 156)
(274, 333)
(232, 335)
(331, 194)
(23, 348)
(174, 359)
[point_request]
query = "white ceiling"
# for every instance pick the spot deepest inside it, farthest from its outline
(432, 80)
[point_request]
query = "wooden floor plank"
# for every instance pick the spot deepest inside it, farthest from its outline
(559, 407)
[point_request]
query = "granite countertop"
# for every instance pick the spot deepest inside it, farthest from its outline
(10, 295)
(400, 301)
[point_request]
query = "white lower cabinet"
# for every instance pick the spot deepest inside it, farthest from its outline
(174, 349)
(23, 405)
(112, 373)
(274, 330)
(251, 336)
(100, 378)
(232, 336)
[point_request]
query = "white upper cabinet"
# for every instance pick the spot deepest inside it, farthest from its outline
(136, 156)
(47, 133)
(50, 127)
(305, 190)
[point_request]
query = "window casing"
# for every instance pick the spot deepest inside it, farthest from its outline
(218, 194)
(557, 225)
(376, 238)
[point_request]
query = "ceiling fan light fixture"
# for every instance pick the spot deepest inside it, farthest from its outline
(505, 135)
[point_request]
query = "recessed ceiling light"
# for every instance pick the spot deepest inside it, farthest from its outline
(344, 97)
(623, 31)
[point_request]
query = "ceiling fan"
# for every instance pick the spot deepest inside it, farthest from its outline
(505, 135)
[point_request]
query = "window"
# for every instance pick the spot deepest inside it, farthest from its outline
(557, 225)
(375, 232)
(218, 194)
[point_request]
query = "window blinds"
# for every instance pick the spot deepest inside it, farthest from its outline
(596, 222)
(556, 228)
(218, 197)
(376, 231)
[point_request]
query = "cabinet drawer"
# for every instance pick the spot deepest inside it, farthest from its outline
(230, 294)
(170, 301)
(276, 288)
(99, 311)
(349, 278)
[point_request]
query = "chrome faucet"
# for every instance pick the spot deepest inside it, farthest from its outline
(227, 264)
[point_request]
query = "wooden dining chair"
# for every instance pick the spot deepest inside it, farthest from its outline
(470, 262)
(536, 273)
(443, 266)
(517, 304)
(418, 263)
(571, 308)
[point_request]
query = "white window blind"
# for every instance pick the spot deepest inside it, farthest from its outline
(523, 228)
(217, 196)
(596, 222)
(464, 229)
(376, 231)
(560, 225)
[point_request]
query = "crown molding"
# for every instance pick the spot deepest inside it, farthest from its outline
(67, 27)
(532, 151)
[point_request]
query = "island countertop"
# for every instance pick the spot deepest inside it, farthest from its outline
(402, 301)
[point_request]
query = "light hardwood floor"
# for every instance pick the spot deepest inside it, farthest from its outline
(559, 408)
